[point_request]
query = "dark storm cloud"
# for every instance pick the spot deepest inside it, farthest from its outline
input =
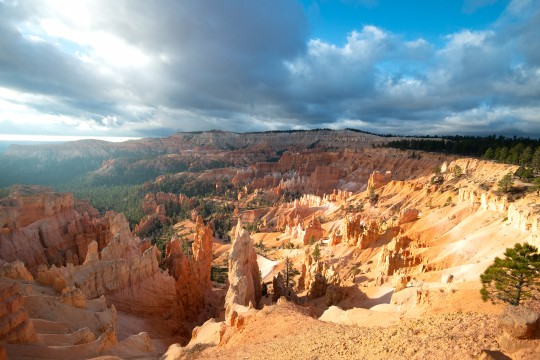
(249, 65)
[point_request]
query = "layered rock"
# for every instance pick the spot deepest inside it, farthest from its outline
(15, 270)
(314, 232)
(191, 270)
(244, 276)
(397, 254)
(325, 178)
(40, 227)
(137, 286)
(15, 325)
(131, 280)
(519, 215)
(378, 179)
(351, 230)
(357, 231)
(317, 276)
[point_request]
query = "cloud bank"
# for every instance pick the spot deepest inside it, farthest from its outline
(140, 68)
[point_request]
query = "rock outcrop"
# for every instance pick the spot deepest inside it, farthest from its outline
(15, 270)
(314, 232)
(408, 215)
(40, 227)
(378, 179)
(396, 255)
(517, 325)
(317, 276)
(190, 265)
(518, 322)
(131, 280)
(357, 231)
(244, 277)
(281, 289)
(15, 325)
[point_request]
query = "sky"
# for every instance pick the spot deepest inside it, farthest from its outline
(138, 68)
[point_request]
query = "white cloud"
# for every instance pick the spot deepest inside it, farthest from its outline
(139, 67)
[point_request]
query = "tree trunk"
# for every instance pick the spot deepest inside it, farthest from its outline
(519, 286)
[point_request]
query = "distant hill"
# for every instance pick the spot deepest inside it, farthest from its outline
(136, 161)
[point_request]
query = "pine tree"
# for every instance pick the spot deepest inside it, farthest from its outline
(316, 253)
(526, 156)
(514, 153)
(489, 154)
(514, 278)
(536, 159)
(505, 184)
(457, 171)
(502, 155)
(290, 271)
(536, 185)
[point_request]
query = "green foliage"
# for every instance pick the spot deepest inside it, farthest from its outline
(514, 278)
(535, 161)
(457, 171)
(4, 192)
(162, 237)
(260, 248)
(519, 151)
(290, 271)
(525, 174)
(437, 179)
(373, 197)
(536, 185)
(506, 183)
(187, 248)
(316, 253)
(124, 199)
(526, 156)
(252, 227)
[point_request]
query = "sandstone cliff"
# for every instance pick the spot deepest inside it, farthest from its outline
(190, 265)
(244, 276)
(40, 227)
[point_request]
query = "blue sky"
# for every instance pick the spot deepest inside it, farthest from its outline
(429, 19)
(136, 68)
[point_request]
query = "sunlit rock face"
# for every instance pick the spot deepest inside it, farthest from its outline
(244, 275)
(41, 227)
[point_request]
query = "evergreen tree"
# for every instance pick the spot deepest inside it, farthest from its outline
(526, 156)
(513, 278)
(290, 271)
(372, 195)
(535, 162)
(457, 171)
(536, 185)
(503, 154)
(316, 253)
(489, 154)
(505, 184)
(515, 153)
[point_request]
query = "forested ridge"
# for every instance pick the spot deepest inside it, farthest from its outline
(517, 151)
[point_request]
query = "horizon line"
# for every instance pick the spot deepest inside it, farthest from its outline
(63, 138)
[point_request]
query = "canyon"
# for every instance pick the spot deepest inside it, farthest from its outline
(319, 244)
